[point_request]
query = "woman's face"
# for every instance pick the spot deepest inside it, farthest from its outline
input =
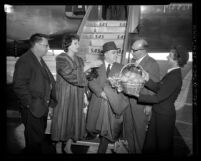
(170, 57)
(74, 46)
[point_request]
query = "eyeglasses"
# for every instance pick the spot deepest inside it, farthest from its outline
(44, 45)
(133, 50)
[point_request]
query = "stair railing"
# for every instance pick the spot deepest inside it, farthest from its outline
(84, 20)
(123, 57)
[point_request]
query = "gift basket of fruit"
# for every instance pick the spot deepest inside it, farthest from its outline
(129, 80)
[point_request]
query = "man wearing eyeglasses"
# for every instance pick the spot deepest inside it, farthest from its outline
(35, 87)
(136, 118)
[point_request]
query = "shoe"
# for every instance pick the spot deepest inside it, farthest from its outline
(59, 148)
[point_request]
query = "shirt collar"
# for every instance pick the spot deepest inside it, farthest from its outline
(139, 60)
(171, 69)
(106, 65)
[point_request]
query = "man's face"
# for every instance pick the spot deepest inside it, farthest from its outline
(111, 56)
(136, 51)
(43, 47)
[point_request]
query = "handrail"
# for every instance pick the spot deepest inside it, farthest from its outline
(84, 20)
(125, 40)
(132, 24)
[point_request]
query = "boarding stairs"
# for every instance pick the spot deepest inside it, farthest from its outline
(93, 34)
(96, 33)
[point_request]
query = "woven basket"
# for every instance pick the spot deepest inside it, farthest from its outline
(132, 88)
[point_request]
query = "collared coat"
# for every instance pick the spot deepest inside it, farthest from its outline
(162, 125)
(105, 117)
(68, 120)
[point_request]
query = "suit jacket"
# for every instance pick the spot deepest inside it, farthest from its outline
(150, 66)
(167, 91)
(95, 112)
(32, 84)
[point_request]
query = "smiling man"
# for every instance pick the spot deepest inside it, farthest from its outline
(136, 118)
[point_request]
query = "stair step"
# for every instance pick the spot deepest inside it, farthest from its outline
(95, 42)
(11, 58)
(94, 49)
(86, 56)
(104, 29)
(87, 143)
(13, 114)
(99, 42)
(103, 36)
(106, 23)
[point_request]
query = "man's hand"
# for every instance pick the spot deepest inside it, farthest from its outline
(103, 95)
(147, 111)
(136, 94)
(145, 75)
(50, 113)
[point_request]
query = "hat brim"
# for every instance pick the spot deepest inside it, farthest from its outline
(103, 51)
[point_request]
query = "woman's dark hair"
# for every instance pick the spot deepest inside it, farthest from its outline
(67, 40)
(181, 55)
(37, 38)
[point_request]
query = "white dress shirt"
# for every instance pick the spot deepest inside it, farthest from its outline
(106, 65)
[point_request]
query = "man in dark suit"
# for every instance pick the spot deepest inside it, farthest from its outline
(106, 106)
(35, 87)
(160, 134)
(137, 116)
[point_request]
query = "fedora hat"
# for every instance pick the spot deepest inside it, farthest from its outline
(109, 46)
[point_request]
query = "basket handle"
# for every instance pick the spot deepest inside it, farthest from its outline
(120, 73)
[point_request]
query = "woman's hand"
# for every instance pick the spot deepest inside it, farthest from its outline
(92, 64)
(145, 75)
(86, 67)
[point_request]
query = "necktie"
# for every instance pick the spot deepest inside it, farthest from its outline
(108, 70)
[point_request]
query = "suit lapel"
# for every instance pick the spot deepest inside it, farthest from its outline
(144, 61)
(39, 66)
(102, 71)
(113, 69)
(47, 71)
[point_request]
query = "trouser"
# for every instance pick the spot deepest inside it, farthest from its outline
(103, 145)
(34, 133)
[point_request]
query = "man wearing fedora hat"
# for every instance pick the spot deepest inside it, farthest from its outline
(106, 105)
